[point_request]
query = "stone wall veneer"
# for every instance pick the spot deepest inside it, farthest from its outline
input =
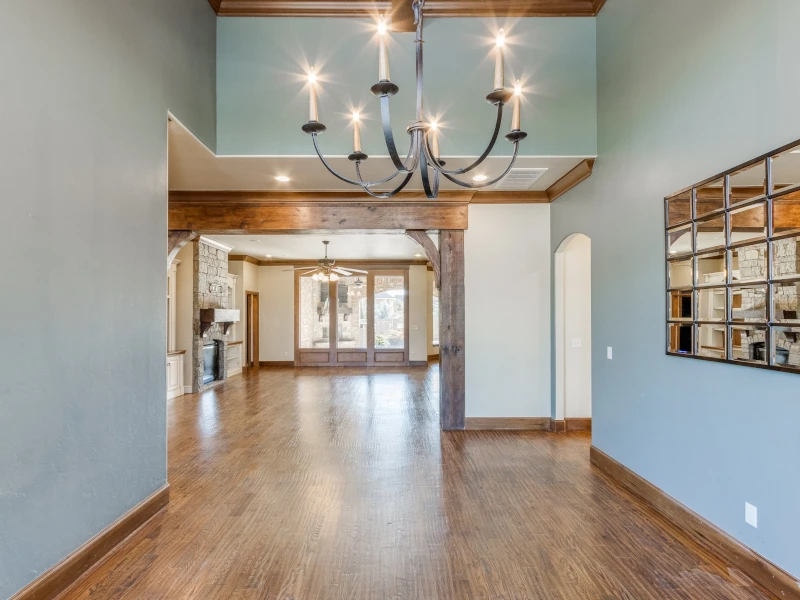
(210, 291)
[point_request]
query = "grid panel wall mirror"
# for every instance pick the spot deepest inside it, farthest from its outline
(733, 265)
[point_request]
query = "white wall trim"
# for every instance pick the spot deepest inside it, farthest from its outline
(187, 389)
(214, 243)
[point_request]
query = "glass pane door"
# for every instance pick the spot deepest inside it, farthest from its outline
(389, 298)
(351, 312)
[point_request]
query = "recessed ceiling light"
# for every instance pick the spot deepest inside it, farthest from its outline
(269, 255)
(795, 152)
(282, 178)
(418, 255)
(479, 178)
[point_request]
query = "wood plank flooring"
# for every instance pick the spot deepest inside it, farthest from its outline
(320, 484)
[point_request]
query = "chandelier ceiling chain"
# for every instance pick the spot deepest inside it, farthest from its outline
(423, 153)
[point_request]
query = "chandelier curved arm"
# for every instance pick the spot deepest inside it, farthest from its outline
(391, 147)
(430, 191)
(482, 157)
(345, 179)
(383, 195)
(477, 186)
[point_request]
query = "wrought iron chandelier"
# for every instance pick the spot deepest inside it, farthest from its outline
(423, 153)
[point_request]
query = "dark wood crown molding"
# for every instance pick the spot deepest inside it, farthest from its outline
(433, 8)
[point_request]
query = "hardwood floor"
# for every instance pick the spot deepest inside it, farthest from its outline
(336, 483)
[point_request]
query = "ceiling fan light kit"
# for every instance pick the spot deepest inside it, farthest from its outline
(326, 269)
(423, 153)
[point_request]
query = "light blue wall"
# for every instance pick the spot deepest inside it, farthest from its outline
(83, 184)
(261, 68)
(686, 89)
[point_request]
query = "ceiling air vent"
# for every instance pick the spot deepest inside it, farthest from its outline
(519, 179)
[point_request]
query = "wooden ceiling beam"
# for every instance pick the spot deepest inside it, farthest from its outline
(433, 8)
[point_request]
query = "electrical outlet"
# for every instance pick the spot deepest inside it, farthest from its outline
(609, 353)
(577, 343)
(751, 514)
(285, 354)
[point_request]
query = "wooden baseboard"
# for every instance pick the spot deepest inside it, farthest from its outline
(55, 580)
(433, 357)
(703, 532)
(276, 363)
(418, 363)
(508, 423)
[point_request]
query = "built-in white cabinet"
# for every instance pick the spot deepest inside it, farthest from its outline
(174, 375)
(234, 358)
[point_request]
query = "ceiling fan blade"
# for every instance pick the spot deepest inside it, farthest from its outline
(356, 270)
(341, 271)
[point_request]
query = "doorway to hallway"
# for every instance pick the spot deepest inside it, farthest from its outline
(573, 333)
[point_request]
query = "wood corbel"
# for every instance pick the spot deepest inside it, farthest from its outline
(431, 251)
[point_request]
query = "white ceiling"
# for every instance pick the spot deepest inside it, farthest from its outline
(309, 246)
(192, 166)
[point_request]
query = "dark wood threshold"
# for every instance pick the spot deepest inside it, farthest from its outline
(769, 576)
(528, 424)
(508, 423)
(572, 424)
(57, 579)
(276, 363)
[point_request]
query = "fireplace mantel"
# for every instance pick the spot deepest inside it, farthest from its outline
(225, 316)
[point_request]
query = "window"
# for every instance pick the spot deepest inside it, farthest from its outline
(435, 311)
(733, 265)
(314, 315)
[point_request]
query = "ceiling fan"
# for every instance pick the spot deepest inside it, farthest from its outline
(326, 269)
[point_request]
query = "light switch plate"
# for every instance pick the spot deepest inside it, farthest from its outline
(751, 514)
(609, 353)
(577, 343)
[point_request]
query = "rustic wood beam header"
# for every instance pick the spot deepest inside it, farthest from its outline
(433, 8)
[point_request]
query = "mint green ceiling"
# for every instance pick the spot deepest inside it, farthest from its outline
(262, 100)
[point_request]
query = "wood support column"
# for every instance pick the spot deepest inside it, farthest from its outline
(452, 378)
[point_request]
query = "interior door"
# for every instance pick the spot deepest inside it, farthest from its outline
(251, 334)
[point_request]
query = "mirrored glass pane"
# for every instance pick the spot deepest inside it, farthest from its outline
(679, 240)
(748, 183)
(314, 313)
(351, 312)
(711, 233)
(712, 304)
(749, 303)
(681, 338)
(679, 208)
(711, 341)
(749, 343)
(680, 305)
(786, 258)
(784, 302)
(710, 197)
(749, 263)
(749, 223)
(680, 273)
(711, 268)
(390, 301)
(786, 214)
(786, 170)
(786, 346)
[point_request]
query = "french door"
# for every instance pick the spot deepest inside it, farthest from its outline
(356, 320)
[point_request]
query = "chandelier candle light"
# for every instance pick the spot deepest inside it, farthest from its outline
(423, 152)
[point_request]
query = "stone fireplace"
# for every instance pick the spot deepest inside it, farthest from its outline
(210, 291)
